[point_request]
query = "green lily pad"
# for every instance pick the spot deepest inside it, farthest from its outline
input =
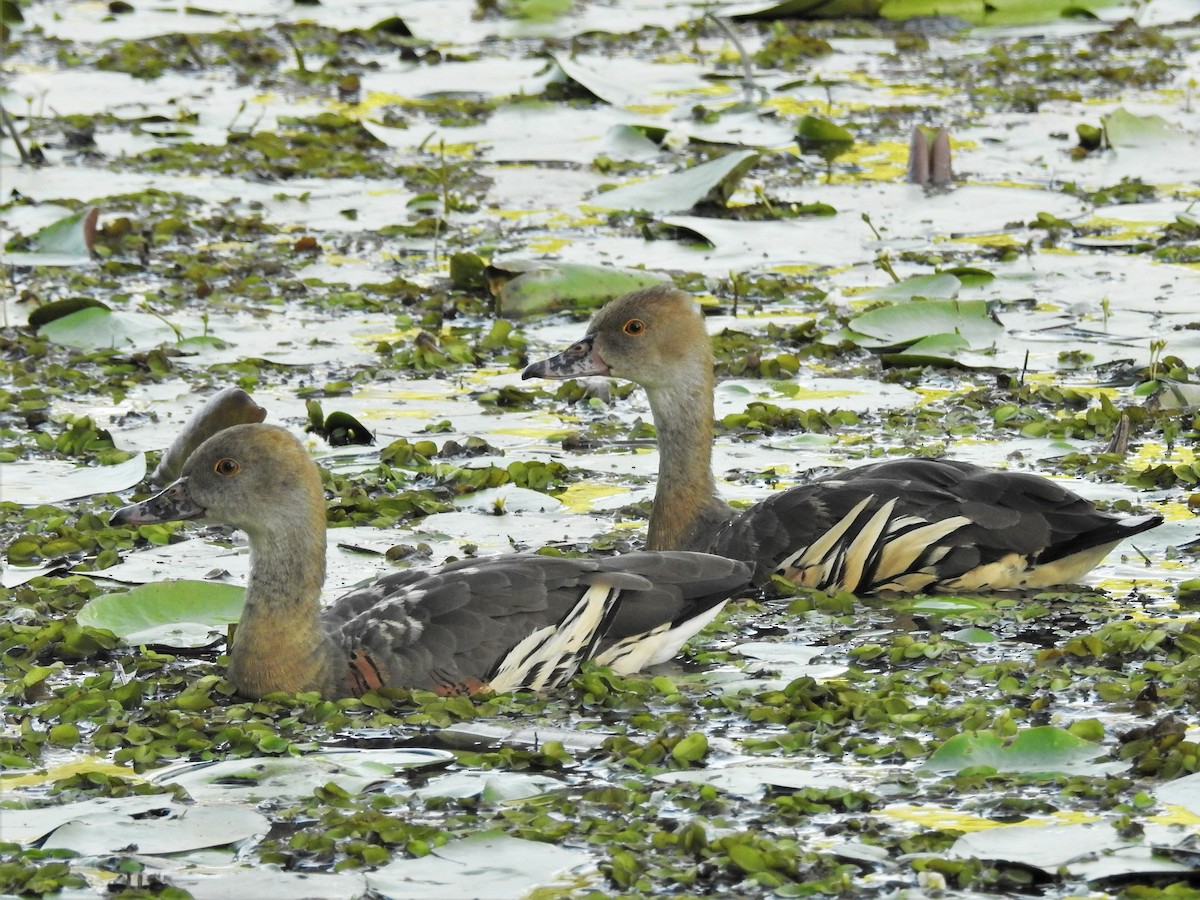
(904, 324)
(940, 286)
(272, 778)
(96, 328)
(992, 12)
(161, 613)
(172, 828)
(67, 242)
(939, 350)
(543, 287)
(680, 191)
(1124, 129)
(54, 481)
(599, 85)
(510, 867)
(1043, 749)
(813, 132)
(810, 9)
(48, 312)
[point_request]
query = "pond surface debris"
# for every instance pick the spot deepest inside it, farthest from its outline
(369, 218)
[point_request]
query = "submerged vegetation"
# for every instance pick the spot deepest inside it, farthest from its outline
(330, 213)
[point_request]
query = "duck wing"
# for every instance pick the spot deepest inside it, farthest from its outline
(916, 524)
(526, 621)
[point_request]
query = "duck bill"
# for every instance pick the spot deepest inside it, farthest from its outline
(577, 361)
(172, 505)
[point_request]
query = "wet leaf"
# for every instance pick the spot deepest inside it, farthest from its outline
(817, 134)
(941, 286)
(97, 328)
(254, 781)
(170, 828)
(1124, 129)
(67, 242)
(1043, 847)
(511, 868)
(958, 325)
(597, 83)
(525, 288)
(680, 191)
(52, 481)
(48, 312)
(229, 406)
(160, 613)
(1042, 749)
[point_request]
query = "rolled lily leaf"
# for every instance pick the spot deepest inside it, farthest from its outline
(231, 406)
(67, 242)
(1124, 129)
(526, 288)
(807, 9)
(680, 191)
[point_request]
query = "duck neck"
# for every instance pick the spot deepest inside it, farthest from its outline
(280, 644)
(686, 507)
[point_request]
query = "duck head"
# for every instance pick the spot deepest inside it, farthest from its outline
(245, 476)
(650, 337)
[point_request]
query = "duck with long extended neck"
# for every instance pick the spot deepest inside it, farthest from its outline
(491, 624)
(901, 525)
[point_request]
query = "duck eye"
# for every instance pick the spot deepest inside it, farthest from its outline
(634, 327)
(227, 466)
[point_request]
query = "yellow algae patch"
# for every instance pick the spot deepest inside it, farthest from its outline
(932, 395)
(66, 770)
(1125, 585)
(549, 434)
(796, 269)
(1176, 815)
(940, 817)
(580, 497)
(794, 106)
(999, 241)
(803, 393)
(651, 109)
(549, 245)
(1175, 511)
(1152, 453)
(714, 89)
(519, 213)
(402, 334)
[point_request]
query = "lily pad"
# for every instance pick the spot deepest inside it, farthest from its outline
(1045, 847)
(1124, 129)
(539, 288)
(940, 350)
(597, 83)
(169, 828)
(227, 407)
(941, 286)
(1043, 749)
(261, 881)
(992, 12)
(752, 779)
(490, 865)
(680, 191)
(258, 780)
(54, 481)
(490, 786)
(96, 328)
(160, 613)
(903, 324)
(23, 826)
(67, 242)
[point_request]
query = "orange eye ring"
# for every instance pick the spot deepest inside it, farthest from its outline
(226, 466)
(634, 327)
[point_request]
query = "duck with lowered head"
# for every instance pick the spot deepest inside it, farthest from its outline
(490, 624)
(902, 525)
